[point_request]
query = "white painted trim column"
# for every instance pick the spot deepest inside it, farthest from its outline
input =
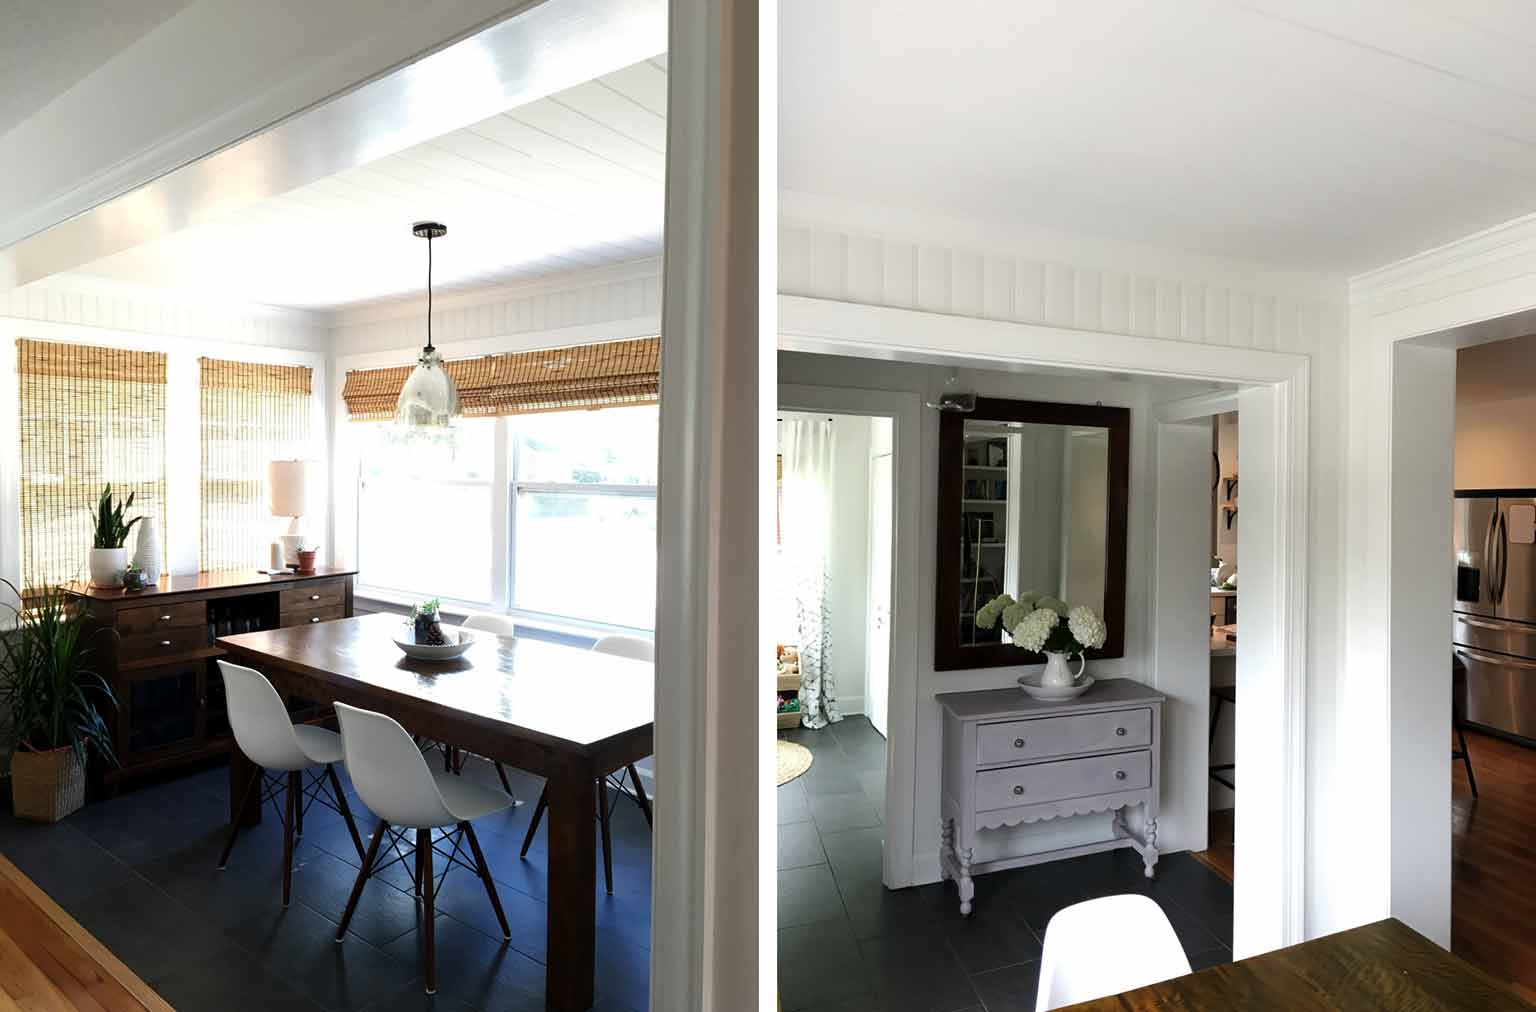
(709, 669)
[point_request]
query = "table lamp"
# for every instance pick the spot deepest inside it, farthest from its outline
(288, 495)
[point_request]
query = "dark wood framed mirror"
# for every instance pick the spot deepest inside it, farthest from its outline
(1033, 496)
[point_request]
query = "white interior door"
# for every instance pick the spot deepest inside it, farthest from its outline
(877, 652)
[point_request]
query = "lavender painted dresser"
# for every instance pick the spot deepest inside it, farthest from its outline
(1009, 760)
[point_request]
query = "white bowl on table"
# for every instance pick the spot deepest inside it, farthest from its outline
(458, 641)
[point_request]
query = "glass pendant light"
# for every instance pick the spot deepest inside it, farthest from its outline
(429, 400)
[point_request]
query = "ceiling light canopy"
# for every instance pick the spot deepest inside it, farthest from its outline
(429, 400)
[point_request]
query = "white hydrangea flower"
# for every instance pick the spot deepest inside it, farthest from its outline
(1035, 629)
(1029, 598)
(1087, 627)
(1014, 614)
(1055, 604)
(987, 615)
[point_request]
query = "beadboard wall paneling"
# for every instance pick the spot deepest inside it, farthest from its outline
(835, 263)
(151, 312)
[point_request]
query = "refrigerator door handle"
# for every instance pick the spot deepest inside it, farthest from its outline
(1498, 659)
(1478, 623)
(1503, 555)
(1488, 560)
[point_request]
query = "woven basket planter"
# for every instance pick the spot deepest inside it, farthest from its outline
(46, 786)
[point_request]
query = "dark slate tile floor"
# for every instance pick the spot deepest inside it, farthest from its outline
(848, 944)
(139, 872)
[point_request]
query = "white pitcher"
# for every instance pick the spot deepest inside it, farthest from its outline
(146, 555)
(1058, 670)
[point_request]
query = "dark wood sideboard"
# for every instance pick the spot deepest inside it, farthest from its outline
(156, 649)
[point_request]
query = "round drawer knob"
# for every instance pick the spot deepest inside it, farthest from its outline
(1119, 774)
(1018, 743)
(314, 620)
(165, 643)
(165, 618)
(1018, 788)
(314, 597)
(1120, 732)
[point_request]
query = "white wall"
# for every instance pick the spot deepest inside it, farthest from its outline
(148, 320)
(1496, 415)
(889, 257)
(1138, 395)
(848, 556)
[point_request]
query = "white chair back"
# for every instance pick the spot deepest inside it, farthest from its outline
(260, 722)
(632, 647)
(389, 772)
(1105, 946)
(496, 625)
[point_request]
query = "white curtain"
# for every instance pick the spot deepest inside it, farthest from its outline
(806, 444)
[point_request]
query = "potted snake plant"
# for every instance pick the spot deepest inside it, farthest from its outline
(52, 702)
(109, 557)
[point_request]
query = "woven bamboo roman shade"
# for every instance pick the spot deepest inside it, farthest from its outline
(556, 379)
(252, 413)
(87, 416)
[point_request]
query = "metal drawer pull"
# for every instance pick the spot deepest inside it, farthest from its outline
(314, 597)
(1018, 788)
(1119, 774)
(165, 643)
(315, 619)
(165, 618)
(1120, 732)
(1018, 743)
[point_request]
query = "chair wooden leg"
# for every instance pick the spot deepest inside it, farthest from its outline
(363, 875)
(506, 785)
(428, 914)
(533, 824)
(298, 806)
(1466, 759)
(640, 798)
(418, 857)
(346, 809)
(602, 818)
(234, 825)
(447, 759)
(290, 822)
(484, 871)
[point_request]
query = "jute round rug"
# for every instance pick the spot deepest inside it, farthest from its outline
(793, 760)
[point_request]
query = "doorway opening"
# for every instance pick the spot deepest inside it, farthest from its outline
(1219, 854)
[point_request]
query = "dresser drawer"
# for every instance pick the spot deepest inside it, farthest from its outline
(1044, 737)
(1057, 781)
(162, 644)
(187, 614)
(312, 616)
(312, 595)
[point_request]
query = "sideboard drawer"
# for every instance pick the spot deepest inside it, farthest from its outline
(1052, 736)
(312, 595)
(312, 616)
(162, 644)
(1069, 778)
(187, 614)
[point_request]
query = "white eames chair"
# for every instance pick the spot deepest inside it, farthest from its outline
(1105, 946)
(636, 649)
(395, 782)
(264, 732)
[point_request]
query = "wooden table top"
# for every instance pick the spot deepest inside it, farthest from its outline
(561, 696)
(1386, 965)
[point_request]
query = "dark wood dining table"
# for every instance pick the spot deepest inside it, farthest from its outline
(564, 713)
(1385, 966)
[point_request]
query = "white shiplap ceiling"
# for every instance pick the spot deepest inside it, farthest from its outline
(571, 181)
(1330, 136)
(47, 46)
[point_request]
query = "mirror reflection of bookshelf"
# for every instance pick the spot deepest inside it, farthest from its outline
(984, 505)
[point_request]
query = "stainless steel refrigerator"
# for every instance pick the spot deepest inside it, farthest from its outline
(1493, 623)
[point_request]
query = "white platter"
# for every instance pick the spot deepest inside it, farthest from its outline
(458, 642)
(1030, 683)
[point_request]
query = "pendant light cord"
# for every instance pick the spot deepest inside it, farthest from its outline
(429, 293)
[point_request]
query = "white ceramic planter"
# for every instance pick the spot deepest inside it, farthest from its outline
(108, 566)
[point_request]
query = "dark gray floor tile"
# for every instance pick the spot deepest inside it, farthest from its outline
(992, 938)
(462, 895)
(856, 855)
(623, 970)
(1010, 989)
(475, 969)
(383, 914)
(64, 862)
(856, 732)
(808, 895)
(793, 805)
(1209, 958)
(834, 813)
(228, 980)
(820, 964)
(147, 929)
(914, 975)
(799, 846)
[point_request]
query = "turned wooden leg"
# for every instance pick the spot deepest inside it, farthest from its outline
(602, 819)
(533, 824)
(640, 798)
(429, 913)
(1149, 854)
(345, 809)
(363, 874)
(484, 871)
(967, 886)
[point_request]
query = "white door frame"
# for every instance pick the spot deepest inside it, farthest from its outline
(905, 411)
(1270, 892)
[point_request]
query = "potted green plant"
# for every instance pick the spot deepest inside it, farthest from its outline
(53, 702)
(427, 623)
(109, 557)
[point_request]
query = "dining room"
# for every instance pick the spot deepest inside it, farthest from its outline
(339, 510)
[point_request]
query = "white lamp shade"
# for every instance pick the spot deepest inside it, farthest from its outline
(288, 487)
(428, 399)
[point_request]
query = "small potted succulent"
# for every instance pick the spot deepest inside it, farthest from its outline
(427, 623)
(52, 702)
(306, 554)
(109, 559)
